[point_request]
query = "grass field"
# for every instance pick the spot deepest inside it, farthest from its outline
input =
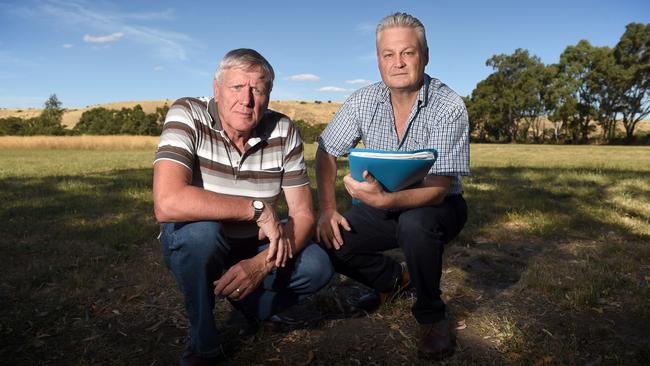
(553, 267)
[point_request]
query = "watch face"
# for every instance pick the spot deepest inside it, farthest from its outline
(258, 205)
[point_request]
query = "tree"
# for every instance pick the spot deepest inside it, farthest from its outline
(559, 101)
(96, 121)
(49, 122)
(508, 101)
(480, 108)
(576, 68)
(632, 53)
(605, 81)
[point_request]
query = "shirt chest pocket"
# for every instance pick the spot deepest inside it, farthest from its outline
(419, 138)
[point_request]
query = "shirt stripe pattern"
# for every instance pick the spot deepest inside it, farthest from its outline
(273, 158)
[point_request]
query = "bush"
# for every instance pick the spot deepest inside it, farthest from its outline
(309, 133)
(13, 126)
(127, 121)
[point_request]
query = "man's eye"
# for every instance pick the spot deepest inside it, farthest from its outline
(388, 55)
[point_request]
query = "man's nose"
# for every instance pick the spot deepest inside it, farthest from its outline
(400, 62)
(246, 97)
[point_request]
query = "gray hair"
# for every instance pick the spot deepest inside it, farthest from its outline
(246, 58)
(403, 20)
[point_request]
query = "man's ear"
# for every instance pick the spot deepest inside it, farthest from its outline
(215, 89)
(426, 56)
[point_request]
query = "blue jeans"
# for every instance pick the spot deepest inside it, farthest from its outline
(198, 253)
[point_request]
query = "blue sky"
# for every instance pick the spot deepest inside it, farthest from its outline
(90, 52)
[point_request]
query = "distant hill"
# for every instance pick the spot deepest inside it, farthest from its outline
(310, 112)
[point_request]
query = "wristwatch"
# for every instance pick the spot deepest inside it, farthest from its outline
(258, 207)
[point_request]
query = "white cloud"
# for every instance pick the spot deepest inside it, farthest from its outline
(68, 45)
(166, 45)
(158, 68)
(158, 15)
(113, 37)
(359, 81)
(303, 77)
(334, 89)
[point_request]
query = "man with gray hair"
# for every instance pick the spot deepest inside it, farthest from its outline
(408, 110)
(220, 167)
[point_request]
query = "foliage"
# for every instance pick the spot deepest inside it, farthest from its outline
(308, 132)
(632, 53)
(13, 126)
(127, 121)
(589, 87)
(509, 102)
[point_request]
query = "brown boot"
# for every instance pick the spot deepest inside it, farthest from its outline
(436, 341)
(372, 301)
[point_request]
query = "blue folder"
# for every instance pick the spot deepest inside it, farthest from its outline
(395, 170)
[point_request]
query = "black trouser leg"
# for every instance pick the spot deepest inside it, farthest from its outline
(420, 232)
(360, 257)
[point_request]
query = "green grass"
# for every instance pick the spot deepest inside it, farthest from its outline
(552, 267)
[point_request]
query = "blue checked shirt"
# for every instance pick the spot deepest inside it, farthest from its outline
(438, 120)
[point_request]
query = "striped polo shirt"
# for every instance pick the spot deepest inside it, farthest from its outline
(273, 158)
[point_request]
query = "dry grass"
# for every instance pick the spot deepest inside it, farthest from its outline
(307, 111)
(120, 142)
(548, 271)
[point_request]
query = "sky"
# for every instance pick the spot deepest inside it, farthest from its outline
(92, 52)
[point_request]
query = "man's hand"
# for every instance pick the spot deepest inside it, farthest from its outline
(279, 244)
(369, 191)
(241, 279)
(328, 232)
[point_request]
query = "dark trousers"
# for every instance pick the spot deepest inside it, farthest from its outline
(421, 233)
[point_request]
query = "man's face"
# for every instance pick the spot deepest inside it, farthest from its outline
(242, 96)
(400, 58)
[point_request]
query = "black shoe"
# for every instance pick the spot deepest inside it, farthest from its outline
(436, 341)
(371, 302)
(280, 323)
(190, 358)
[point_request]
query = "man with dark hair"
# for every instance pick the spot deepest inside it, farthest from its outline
(408, 110)
(220, 167)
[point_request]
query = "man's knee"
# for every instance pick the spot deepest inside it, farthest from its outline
(420, 222)
(201, 239)
(314, 268)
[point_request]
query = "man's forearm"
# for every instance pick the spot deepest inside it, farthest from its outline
(431, 192)
(191, 203)
(326, 179)
(301, 229)
(175, 199)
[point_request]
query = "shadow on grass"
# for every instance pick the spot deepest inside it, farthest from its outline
(518, 213)
(83, 281)
(112, 209)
